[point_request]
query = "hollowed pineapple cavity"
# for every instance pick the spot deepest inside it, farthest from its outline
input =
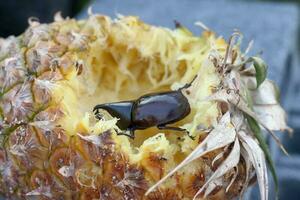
(129, 59)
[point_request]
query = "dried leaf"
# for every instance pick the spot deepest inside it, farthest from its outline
(222, 135)
(236, 172)
(262, 143)
(267, 109)
(233, 80)
(267, 93)
(230, 162)
(249, 82)
(234, 98)
(237, 117)
(211, 186)
(220, 155)
(95, 139)
(242, 105)
(41, 191)
(233, 40)
(245, 155)
(273, 116)
(257, 158)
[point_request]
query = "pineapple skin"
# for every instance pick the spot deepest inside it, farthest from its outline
(52, 148)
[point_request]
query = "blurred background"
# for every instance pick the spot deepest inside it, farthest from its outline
(273, 25)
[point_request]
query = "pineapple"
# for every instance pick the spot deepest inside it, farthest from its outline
(52, 147)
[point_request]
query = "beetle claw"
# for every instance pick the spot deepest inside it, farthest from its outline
(95, 109)
(97, 114)
(190, 136)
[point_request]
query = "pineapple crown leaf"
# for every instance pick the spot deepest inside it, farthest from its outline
(264, 146)
(202, 25)
(254, 153)
(229, 163)
(248, 169)
(260, 69)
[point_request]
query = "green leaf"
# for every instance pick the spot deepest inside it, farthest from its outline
(277, 92)
(262, 143)
(1, 114)
(260, 69)
(249, 99)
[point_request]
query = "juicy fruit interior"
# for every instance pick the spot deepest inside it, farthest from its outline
(122, 65)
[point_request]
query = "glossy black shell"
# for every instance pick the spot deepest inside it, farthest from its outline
(159, 109)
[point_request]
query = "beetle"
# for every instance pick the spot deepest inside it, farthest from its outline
(150, 110)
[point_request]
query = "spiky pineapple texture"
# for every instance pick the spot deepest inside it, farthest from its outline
(53, 148)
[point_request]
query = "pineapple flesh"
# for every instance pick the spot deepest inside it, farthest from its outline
(52, 147)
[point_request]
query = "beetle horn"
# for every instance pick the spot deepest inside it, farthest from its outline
(120, 110)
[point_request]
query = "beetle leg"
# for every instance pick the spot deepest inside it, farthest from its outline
(190, 136)
(164, 127)
(187, 85)
(130, 134)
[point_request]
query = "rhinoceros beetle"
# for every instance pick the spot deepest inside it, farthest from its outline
(154, 109)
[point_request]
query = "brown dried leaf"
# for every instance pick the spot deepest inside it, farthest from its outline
(246, 157)
(230, 162)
